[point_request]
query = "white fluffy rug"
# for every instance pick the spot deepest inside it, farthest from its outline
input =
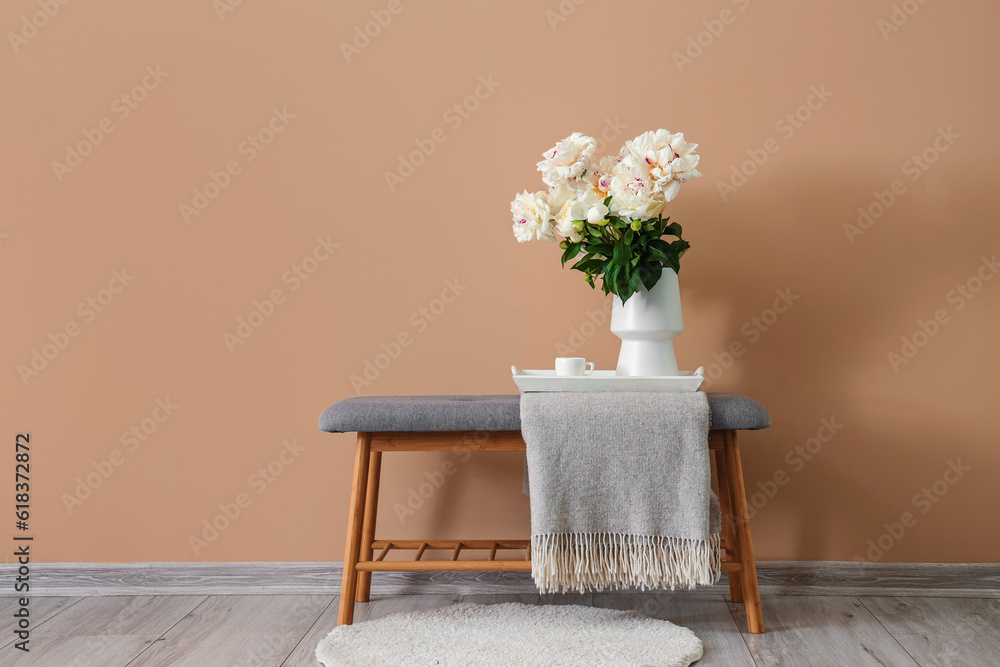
(475, 635)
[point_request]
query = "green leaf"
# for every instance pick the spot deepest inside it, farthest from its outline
(654, 270)
(622, 279)
(627, 283)
(572, 250)
(658, 255)
(673, 263)
(633, 281)
(669, 257)
(589, 265)
(607, 201)
(629, 235)
(605, 249)
(621, 253)
(661, 245)
(611, 278)
(673, 229)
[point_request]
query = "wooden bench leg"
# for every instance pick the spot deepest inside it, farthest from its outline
(355, 522)
(368, 530)
(728, 527)
(751, 593)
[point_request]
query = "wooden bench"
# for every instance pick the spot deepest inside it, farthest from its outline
(492, 424)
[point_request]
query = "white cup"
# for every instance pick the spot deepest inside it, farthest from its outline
(573, 366)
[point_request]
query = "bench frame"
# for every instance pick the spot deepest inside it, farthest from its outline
(364, 554)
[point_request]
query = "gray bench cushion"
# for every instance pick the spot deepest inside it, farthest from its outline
(490, 413)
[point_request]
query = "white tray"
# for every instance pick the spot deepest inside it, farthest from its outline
(547, 380)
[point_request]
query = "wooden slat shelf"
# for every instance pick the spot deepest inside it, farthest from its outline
(443, 565)
(456, 547)
(462, 565)
(451, 544)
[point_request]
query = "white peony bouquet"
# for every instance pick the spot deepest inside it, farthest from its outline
(610, 210)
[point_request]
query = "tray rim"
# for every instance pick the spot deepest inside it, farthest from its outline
(544, 373)
(545, 380)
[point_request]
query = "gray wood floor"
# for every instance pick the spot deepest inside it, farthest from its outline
(283, 630)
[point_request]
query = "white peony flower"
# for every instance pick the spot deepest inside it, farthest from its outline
(634, 190)
(586, 205)
(665, 159)
(685, 160)
(599, 174)
(655, 150)
(564, 222)
(566, 161)
(532, 217)
(559, 196)
(597, 213)
(590, 204)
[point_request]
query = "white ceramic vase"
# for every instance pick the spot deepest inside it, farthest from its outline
(647, 324)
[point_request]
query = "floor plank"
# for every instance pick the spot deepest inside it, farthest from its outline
(40, 609)
(304, 653)
(707, 617)
(245, 630)
(101, 631)
(942, 631)
(99, 651)
(821, 631)
(146, 615)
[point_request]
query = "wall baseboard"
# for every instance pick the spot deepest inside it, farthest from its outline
(776, 578)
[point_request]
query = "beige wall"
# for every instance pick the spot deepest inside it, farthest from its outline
(608, 67)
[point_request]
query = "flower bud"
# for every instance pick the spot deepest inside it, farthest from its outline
(578, 225)
(637, 225)
(563, 245)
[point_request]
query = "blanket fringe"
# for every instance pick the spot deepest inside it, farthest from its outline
(595, 561)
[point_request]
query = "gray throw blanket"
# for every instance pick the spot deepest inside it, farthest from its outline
(620, 490)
